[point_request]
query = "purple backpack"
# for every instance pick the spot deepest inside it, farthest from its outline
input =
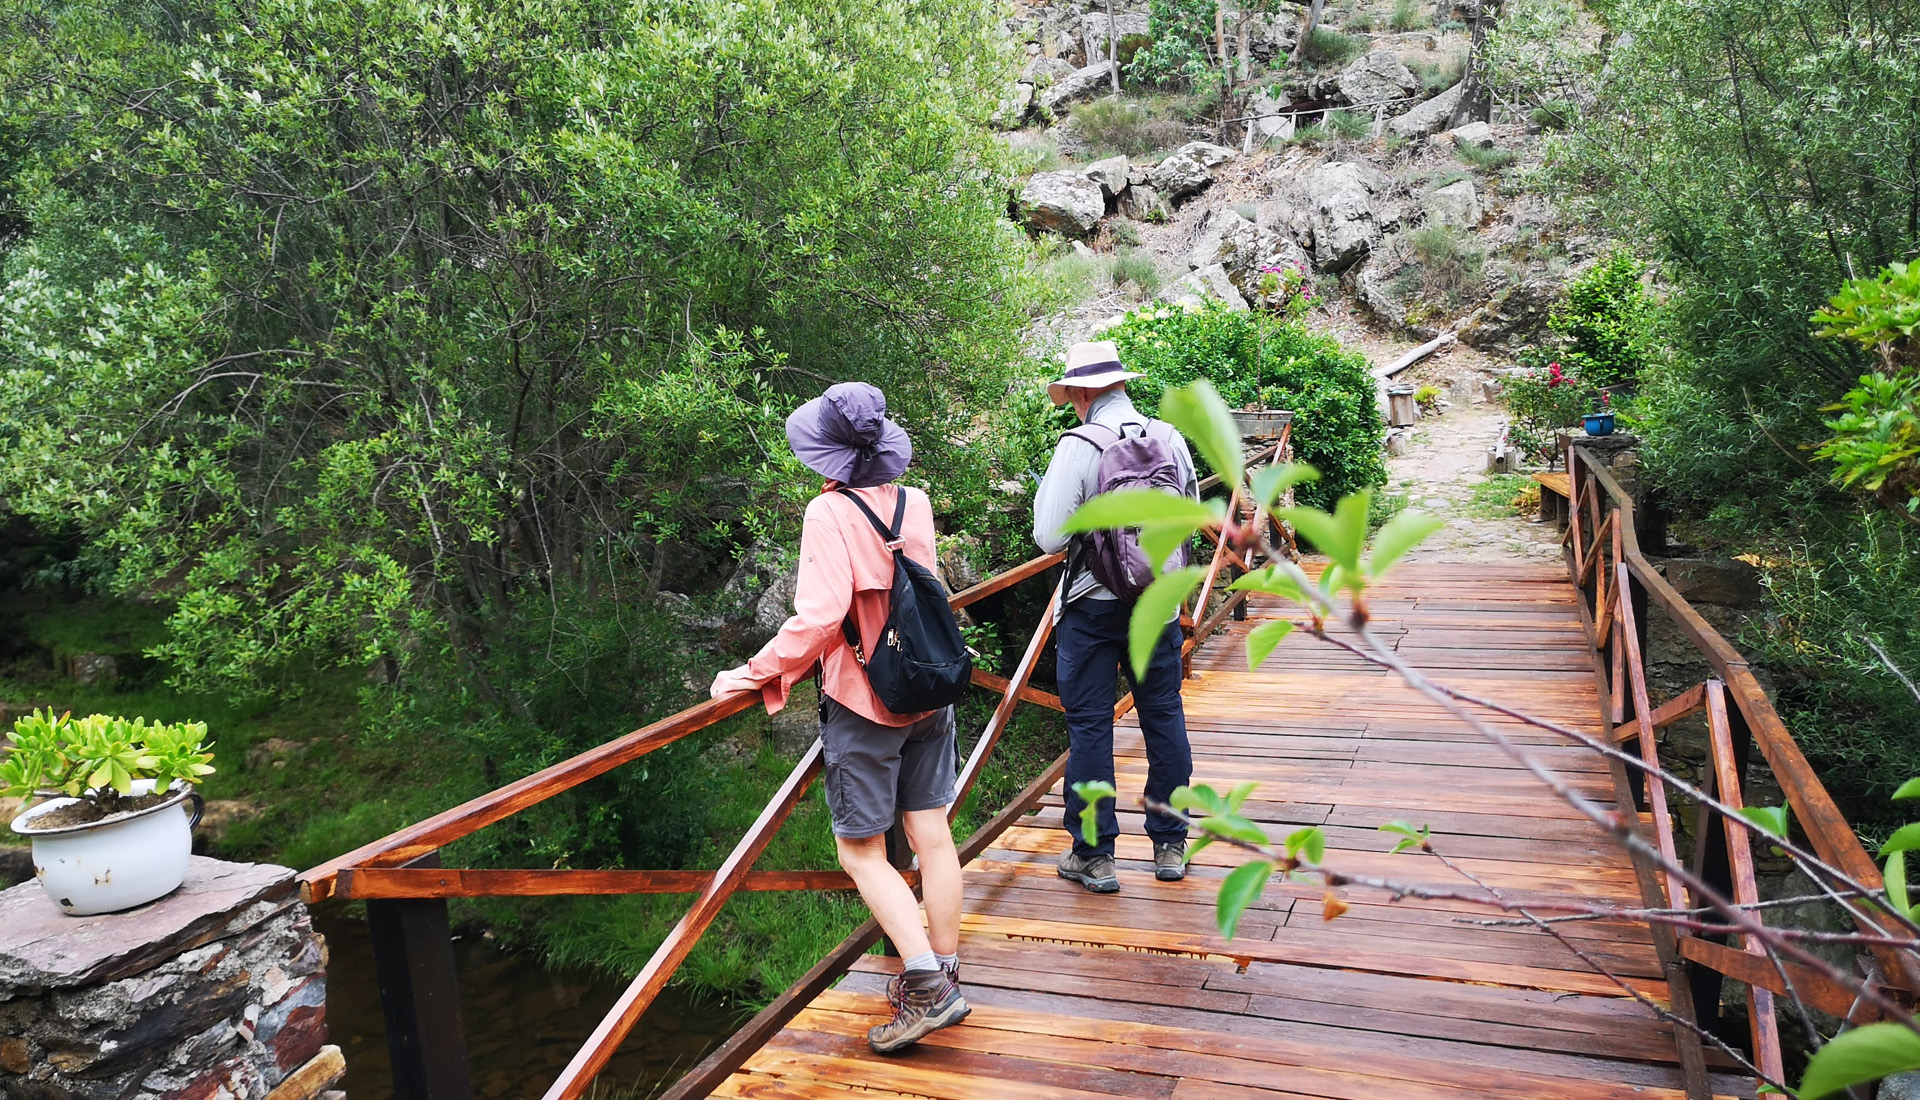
(1129, 461)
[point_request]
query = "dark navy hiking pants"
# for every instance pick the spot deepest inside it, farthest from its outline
(1092, 640)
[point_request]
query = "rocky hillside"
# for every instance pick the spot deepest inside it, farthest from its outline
(1348, 157)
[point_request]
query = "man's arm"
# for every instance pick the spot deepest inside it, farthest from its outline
(1061, 491)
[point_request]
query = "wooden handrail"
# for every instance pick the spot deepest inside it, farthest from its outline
(1763, 1027)
(475, 814)
(1826, 828)
(578, 1077)
(1009, 698)
(369, 883)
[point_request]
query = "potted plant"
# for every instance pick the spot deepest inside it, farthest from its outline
(1601, 422)
(1258, 421)
(116, 829)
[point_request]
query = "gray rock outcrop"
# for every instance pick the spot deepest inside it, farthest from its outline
(1142, 203)
(1093, 31)
(1066, 202)
(1188, 169)
(1430, 117)
(1376, 77)
(1514, 318)
(1456, 204)
(1042, 71)
(1080, 84)
(1110, 174)
(1473, 133)
(1344, 225)
(1207, 283)
(1014, 107)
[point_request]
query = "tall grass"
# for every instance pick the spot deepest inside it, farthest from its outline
(1327, 46)
(1486, 159)
(1131, 127)
(1349, 125)
(1407, 16)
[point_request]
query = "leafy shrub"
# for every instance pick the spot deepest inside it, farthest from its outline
(1128, 126)
(1138, 268)
(1427, 397)
(1361, 20)
(1181, 33)
(1605, 322)
(1876, 440)
(1327, 46)
(1253, 357)
(1555, 114)
(1124, 233)
(1129, 47)
(1543, 402)
(1407, 15)
(1348, 125)
(1310, 135)
(1484, 158)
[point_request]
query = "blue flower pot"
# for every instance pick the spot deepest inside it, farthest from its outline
(1600, 424)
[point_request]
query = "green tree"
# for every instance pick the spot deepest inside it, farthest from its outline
(357, 328)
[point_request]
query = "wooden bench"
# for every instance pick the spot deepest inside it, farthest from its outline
(1555, 491)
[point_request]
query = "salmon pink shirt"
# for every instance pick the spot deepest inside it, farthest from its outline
(844, 564)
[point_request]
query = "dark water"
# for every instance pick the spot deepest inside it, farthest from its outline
(523, 1022)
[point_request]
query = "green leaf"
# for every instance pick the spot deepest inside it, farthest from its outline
(1309, 844)
(1895, 875)
(1909, 789)
(1772, 820)
(1272, 581)
(1202, 798)
(1153, 610)
(1904, 838)
(1863, 1054)
(1401, 534)
(1324, 531)
(1092, 792)
(1238, 890)
(1232, 827)
(1202, 417)
(1270, 481)
(1262, 639)
(1237, 797)
(1160, 541)
(1139, 508)
(1193, 849)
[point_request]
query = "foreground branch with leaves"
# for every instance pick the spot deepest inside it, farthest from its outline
(1339, 595)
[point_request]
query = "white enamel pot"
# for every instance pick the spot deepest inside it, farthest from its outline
(117, 863)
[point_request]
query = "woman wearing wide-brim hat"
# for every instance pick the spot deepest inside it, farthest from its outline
(878, 763)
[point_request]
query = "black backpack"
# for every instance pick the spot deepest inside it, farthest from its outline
(921, 662)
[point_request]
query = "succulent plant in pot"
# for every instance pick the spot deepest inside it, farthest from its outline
(115, 827)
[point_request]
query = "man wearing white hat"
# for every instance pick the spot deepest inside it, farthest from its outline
(1116, 443)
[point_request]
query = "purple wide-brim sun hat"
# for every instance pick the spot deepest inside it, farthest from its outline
(844, 435)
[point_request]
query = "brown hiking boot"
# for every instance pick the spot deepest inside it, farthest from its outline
(1096, 872)
(928, 1002)
(899, 981)
(1169, 860)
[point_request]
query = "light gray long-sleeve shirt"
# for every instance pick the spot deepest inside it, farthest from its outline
(1073, 476)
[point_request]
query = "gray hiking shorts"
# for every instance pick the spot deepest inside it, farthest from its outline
(875, 771)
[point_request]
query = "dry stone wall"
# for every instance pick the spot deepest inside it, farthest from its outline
(215, 992)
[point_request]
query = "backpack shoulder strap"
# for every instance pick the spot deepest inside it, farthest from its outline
(890, 535)
(1080, 434)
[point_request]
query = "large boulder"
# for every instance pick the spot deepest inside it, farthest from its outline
(1043, 71)
(1207, 283)
(1473, 133)
(1142, 203)
(1243, 249)
(1080, 84)
(1344, 225)
(1456, 204)
(1067, 203)
(1514, 318)
(1375, 78)
(1430, 117)
(1093, 31)
(1110, 174)
(1270, 122)
(1188, 169)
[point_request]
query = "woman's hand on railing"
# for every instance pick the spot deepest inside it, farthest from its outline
(730, 682)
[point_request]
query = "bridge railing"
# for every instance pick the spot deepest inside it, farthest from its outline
(406, 890)
(1619, 588)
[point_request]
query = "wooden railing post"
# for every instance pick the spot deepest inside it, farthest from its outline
(419, 995)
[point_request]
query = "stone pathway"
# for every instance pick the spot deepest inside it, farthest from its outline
(1439, 473)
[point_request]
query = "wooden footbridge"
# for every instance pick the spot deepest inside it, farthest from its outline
(1137, 995)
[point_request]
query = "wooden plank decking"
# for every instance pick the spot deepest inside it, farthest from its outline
(1135, 995)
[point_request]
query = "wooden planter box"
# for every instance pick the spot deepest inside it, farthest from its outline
(1261, 425)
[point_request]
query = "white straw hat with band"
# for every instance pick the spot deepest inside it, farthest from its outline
(1091, 365)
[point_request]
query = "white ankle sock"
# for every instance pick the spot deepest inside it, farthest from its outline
(925, 960)
(948, 962)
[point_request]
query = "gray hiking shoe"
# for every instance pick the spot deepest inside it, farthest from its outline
(1169, 860)
(1093, 872)
(928, 1002)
